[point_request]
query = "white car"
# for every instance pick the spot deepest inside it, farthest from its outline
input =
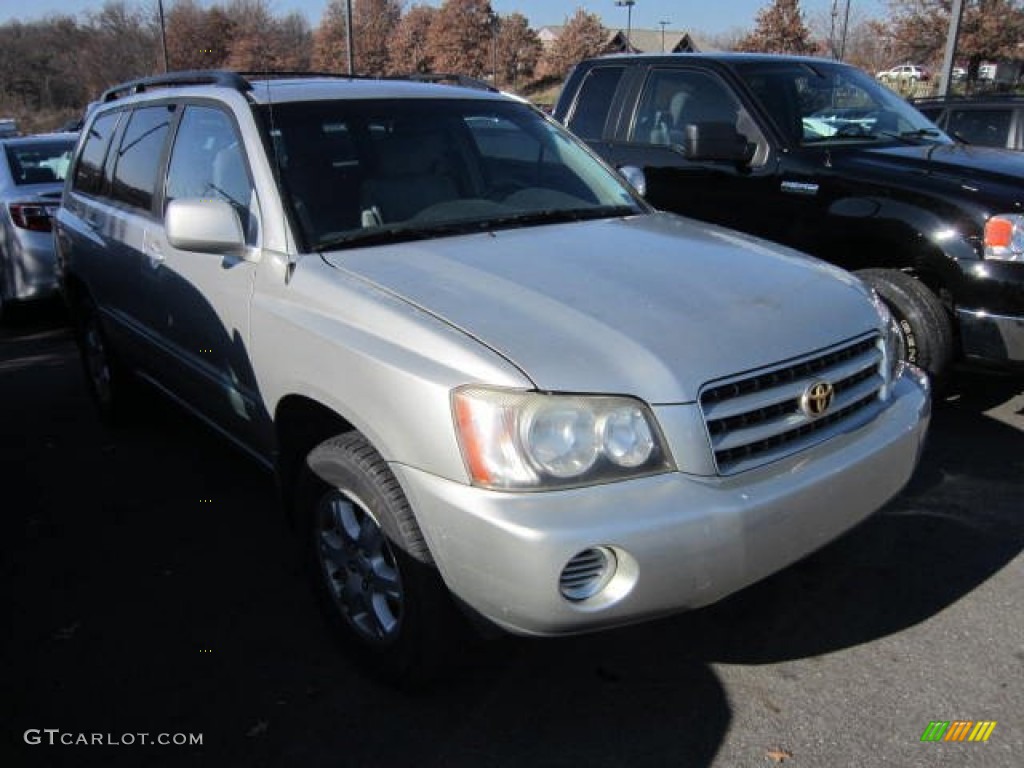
(485, 373)
(904, 72)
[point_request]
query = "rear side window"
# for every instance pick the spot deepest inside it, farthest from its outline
(140, 155)
(89, 171)
(985, 127)
(594, 102)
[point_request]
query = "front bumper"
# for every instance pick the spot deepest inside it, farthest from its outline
(681, 541)
(992, 338)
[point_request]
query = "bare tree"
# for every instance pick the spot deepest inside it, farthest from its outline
(373, 25)
(519, 49)
(197, 38)
(583, 36)
(330, 41)
(461, 37)
(122, 43)
(780, 29)
(293, 41)
(407, 49)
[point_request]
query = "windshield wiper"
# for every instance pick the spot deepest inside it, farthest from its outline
(556, 216)
(913, 137)
(401, 233)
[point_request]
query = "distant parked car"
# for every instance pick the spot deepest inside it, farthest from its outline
(8, 127)
(904, 72)
(32, 171)
(986, 121)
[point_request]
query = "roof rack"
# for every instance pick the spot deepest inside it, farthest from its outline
(178, 79)
(242, 81)
(280, 74)
(445, 78)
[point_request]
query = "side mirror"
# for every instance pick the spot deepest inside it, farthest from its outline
(635, 178)
(715, 141)
(205, 225)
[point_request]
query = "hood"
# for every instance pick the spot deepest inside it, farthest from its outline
(958, 164)
(652, 306)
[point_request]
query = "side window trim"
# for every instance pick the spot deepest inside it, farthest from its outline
(744, 114)
(254, 230)
(114, 158)
(611, 115)
(102, 187)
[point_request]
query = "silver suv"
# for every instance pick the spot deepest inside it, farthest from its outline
(478, 364)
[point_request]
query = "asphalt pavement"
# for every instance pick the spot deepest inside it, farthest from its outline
(151, 586)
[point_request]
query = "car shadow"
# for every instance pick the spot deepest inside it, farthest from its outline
(157, 588)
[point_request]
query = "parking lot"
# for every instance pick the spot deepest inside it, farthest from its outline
(151, 586)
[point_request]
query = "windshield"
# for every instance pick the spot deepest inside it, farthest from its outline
(816, 103)
(362, 172)
(39, 162)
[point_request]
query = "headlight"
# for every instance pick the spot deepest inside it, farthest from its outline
(515, 440)
(891, 344)
(1004, 237)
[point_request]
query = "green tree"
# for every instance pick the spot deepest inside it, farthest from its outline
(780, 29)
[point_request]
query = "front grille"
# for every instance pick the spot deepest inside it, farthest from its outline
(757, 418)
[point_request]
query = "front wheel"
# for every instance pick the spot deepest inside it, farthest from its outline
(370, 565)
(923, 322)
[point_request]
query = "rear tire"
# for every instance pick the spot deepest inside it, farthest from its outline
(922, 319)
(370, 566)
(108, 381)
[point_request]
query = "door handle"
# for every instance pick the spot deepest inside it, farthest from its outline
(153, 250)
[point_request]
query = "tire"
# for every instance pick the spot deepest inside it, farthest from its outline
(923, 322)
(109, 383)
(370, 566)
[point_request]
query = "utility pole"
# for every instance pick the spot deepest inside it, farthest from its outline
(951, 36)
(348, 35)
(846, 26)
(628, 5)
(663, 25)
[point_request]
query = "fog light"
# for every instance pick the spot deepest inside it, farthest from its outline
(587, 573)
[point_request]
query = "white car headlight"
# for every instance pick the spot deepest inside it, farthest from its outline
(516, 440)
(1004, 237)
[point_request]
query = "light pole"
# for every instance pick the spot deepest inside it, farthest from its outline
(663, 25)
(163, 33)
(628, 5)
(348, 35)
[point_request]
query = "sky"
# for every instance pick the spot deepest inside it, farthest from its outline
(707, 16)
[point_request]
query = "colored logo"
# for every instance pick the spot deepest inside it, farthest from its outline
(958, 730)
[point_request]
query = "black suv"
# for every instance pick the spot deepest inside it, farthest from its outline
(986, 121)
(817, 155)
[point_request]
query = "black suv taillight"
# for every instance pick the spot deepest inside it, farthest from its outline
(37, 217)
